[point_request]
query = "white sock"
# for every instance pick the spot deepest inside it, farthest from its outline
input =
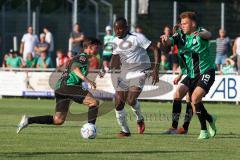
(137, 110)
(122, 121)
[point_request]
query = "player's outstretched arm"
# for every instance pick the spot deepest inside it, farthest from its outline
(204, 34)
(155, 73)
(78, 72)
(115, 62)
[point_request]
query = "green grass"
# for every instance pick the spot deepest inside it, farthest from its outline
(65, 143)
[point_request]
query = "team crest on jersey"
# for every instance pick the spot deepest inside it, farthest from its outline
(194, 41)
(82, 59)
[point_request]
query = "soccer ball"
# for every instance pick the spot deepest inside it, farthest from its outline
(89, 131)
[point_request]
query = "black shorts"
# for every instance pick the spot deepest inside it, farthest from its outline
(205, 81)
(65, 94)
(175, 59)
(107, 58)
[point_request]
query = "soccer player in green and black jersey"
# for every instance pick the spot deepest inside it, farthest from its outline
(200, 71)
(179, 39)
(69, 87)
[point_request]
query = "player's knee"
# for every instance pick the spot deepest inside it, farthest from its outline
(92, 102)
(58, 120)
(195, 99)
(119, 106)
(176, 96)
(131, 102)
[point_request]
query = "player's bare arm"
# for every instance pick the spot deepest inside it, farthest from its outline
(204, 34)
(77, 71)
(155, 73)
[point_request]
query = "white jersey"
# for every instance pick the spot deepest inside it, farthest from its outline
(30, 41)
(132, 51)
(49, 39)
(237, 42)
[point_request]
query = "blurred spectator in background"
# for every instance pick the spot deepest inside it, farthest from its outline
(44, 61)
(4, 62)
(61, 60)
(108, 48)
(138, 29)
(76, 40)
(41, 46)
(31, 61)
(28, 42)
(223, 45)
(6, 58)
(50, 40)
(236, 52)
(14, 61)
(165, 51)
(228, 67)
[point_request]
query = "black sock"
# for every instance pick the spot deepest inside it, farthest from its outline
(92, 114)
(41, 120)
(177, 107)
(188, 116)
(207, 115)
(201, 115)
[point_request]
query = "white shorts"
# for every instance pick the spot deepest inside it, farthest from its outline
(131, 79)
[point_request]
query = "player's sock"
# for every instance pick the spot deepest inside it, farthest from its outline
(122, 121)
(137, 110)
(201, 115)
(188, 116)
(48, 119)
(207, 115)
(92, 114)
(177, 106)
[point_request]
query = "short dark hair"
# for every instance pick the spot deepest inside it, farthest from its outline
(90, 41)
(122, 20)
(190, 15)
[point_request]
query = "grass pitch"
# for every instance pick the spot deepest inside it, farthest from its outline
(65, 143)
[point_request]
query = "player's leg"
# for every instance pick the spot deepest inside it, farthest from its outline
(62, 106)
(187, 117)
(133, 94)
(93, 105)
(197, 96)
(203, 86)
(180, 92)
(120, 100)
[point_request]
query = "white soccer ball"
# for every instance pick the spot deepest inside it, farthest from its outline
(89, 131)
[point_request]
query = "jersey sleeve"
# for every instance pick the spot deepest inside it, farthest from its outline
(23, 38)
(175, 38)
(172, 41)
(143, 41)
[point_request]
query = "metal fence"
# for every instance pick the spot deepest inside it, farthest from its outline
(94, 15)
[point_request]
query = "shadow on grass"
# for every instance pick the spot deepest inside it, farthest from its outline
(32, 154)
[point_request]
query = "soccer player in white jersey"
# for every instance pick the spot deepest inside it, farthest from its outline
(131, 50)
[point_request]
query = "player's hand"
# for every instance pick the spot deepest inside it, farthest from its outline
(101, 73)
(92, 84)
(177, 79)
(155, 76)
(196, 33)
